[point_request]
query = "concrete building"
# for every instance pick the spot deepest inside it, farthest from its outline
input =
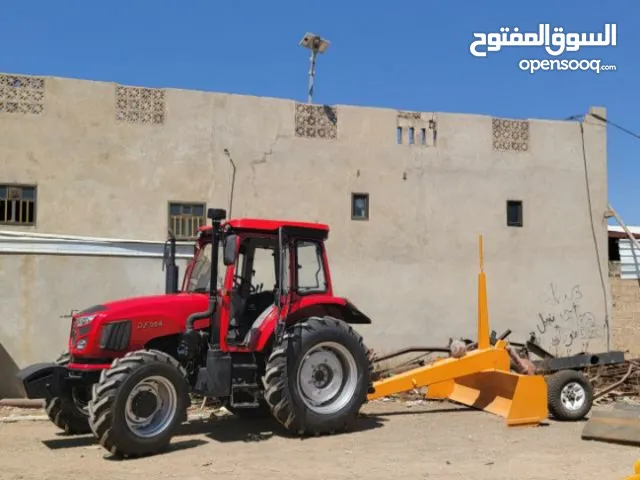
(405, 194)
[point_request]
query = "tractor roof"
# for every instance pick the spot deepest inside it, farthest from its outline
(272, 226)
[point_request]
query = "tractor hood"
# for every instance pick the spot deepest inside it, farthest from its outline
(175, 306)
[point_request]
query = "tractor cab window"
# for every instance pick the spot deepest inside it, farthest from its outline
(201, 273)
(263, 271)
(310, 269)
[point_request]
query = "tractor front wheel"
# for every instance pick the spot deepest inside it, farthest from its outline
(317, 378)
(139, 403)
(69, 412)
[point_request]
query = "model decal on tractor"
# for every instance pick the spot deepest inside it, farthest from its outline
(142, 325)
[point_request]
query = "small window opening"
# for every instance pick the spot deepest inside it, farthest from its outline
(18, 204)
(399, 135)
(423, 136)
(514, 213)
(411, 136)
(614, 249)
(186, 218)
(359, 206)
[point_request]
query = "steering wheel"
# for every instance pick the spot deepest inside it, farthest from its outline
(239, 281)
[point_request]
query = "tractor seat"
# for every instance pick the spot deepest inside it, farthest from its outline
(252, 335)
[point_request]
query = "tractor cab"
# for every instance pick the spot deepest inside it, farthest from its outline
(263, 268)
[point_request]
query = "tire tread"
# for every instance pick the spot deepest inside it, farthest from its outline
(105, 391)
(277, 392)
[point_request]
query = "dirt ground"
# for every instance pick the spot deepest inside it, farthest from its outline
(393, 440)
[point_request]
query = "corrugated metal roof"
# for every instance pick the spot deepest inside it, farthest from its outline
(629, 260)
(618, 232)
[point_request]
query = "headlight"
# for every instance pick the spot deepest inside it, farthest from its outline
(81, 344)
(84, 320)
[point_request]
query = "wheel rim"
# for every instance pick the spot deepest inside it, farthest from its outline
(151, 406)
(327, 377)
(573, 396)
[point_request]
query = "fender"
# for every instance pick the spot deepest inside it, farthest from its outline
(320, 305)
(42, 380)
(313, 306)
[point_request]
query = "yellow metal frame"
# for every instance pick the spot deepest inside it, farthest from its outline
(482, 378)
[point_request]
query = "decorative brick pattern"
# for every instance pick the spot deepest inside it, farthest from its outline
(21, 94)
(140, 105)
(316, 121)
(510, 135)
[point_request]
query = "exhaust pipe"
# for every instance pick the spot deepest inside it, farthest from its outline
(171, 277)
(216, 215)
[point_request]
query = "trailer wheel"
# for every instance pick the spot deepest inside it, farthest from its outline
(317, 379)
(139, 403)
(570, 395)
(69, 413)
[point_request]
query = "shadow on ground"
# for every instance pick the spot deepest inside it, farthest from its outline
(223, 430)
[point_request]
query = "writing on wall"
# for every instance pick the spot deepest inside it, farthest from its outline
(564, 325)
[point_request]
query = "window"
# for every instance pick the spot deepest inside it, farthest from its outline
(264, 268)
(359, 206)
(18, 204)
(514, 213)
(310, 269)
(185, 219)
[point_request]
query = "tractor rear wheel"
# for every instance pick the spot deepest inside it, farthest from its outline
(139, 403)
(69, 412)
(318, 377)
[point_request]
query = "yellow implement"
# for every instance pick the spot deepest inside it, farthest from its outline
(481, 379)
(636, 470)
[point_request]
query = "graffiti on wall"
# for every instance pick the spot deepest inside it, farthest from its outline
(564, 325)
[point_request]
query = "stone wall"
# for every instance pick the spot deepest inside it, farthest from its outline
(625, 329)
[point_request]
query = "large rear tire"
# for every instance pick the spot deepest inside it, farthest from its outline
(139, 403)
(318, 377)
(69, 412)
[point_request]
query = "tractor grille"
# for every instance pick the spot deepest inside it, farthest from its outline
(116, 336)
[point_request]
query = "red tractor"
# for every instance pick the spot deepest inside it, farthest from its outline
(256, 326)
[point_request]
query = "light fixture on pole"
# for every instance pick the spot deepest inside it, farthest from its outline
(316, 44)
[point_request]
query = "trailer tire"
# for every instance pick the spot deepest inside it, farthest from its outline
(65, 412)
(570, 395)
(288, 376)
(112, 409)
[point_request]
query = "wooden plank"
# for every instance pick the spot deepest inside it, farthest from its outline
(621, 425)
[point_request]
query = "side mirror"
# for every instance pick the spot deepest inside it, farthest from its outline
(229, 250)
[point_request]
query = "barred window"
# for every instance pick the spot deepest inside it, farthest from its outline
(18, 204)
(186, 218)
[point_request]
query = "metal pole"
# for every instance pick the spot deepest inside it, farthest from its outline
(312, 74)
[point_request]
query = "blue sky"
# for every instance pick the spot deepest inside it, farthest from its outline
(406, 55)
